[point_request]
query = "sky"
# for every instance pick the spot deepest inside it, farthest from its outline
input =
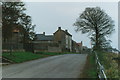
(48, 16)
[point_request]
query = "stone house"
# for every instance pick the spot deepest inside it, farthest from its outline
(44, 42)
(64, 39)
(60, 41)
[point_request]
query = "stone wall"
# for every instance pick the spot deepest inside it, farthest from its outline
(54, 49)
(6, 47)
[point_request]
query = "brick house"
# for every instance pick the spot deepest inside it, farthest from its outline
(76, 47)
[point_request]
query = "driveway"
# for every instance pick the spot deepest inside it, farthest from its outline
(61, 66)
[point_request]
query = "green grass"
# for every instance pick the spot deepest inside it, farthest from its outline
(92, 72)
(111, 66)
(18, 57)
(89, 70)
(105, 58)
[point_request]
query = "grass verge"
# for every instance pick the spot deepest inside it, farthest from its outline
(18, 57)
(89, 70)
(111, 66)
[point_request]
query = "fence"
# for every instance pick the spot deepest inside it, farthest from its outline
(100, 69)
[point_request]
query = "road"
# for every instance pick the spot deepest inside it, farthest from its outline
(61, 66)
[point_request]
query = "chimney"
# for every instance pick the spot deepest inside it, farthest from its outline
(44, 33)
(66, 30)
(81, 43)
(59, 28)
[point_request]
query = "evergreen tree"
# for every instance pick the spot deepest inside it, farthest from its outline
(14, 16)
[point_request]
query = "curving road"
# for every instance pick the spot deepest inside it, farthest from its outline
(62, 66)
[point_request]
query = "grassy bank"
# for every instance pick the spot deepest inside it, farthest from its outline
(18, 57)
(110, 65)
(106, 59)
(89, 70)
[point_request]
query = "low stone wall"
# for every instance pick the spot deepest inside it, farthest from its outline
(20, 50)
(54, 49)
(6, 47)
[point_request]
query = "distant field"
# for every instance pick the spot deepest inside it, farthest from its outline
(18, 57)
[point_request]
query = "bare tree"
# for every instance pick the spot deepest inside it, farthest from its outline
(97, 24)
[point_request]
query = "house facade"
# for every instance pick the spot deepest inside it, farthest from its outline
(76, 47)
(64, 39)
(41, 42)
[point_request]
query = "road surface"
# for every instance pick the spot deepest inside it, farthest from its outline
(61, 66)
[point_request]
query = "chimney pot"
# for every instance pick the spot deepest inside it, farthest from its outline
(59, 28)
(44, 33)
(66, 30)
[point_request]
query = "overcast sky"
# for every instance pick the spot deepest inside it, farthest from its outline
(48, 16)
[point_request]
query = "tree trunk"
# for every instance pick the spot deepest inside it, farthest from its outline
(96, 44)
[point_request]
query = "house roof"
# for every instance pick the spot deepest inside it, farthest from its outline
(65, 31)
(80, 44)
(43, 37)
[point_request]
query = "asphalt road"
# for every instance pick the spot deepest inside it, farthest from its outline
(62, 66)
